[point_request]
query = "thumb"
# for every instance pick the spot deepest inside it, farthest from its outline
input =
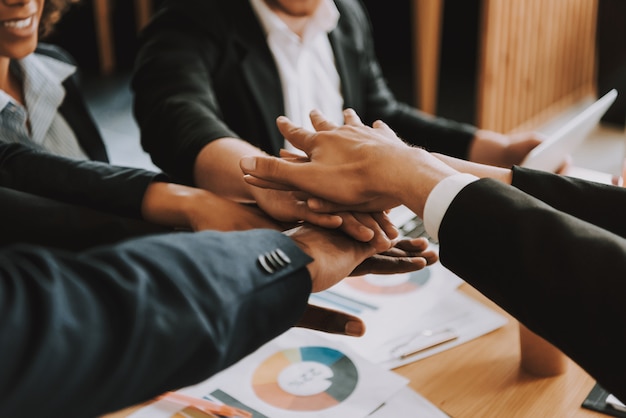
(276, 171)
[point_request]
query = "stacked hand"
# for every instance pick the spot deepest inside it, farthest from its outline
(335, 256)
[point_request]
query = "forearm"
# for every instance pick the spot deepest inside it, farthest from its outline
(593, 202)
(562, 277)
(436, 134)
(421, 173)
(120, 325)
(217, 168)
(479, 170)
(100, 186)
(171, 204)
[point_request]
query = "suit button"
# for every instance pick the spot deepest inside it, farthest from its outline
(274, 260)
(263, 262)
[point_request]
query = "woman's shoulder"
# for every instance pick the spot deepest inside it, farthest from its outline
(55, 51)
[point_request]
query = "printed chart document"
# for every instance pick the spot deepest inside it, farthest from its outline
(409, 316)
(297, 375)
(408, 404)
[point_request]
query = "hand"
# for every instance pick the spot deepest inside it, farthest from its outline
(290, 207)
(352, 166)
(331, 321)
(407, 255)
(375, 228)
(337, 256)
(186, 207)
(226, 215)
(493, 148)
(330, 159)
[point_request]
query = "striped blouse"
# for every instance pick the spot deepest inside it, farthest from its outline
(39, 122)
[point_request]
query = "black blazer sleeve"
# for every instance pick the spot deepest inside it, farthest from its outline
(117, 190)
(593, 202)
(561, 276)
(91, 333)
(37, 220)
(368, 92)
(176, 105)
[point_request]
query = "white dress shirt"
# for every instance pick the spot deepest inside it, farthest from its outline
(306, 64)
(439, 201)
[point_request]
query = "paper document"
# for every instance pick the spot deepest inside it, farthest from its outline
(299, 374)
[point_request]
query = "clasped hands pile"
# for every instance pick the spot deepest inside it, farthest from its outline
(341, 184)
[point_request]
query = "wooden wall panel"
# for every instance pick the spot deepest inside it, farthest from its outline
(537, 58)
(427, 33)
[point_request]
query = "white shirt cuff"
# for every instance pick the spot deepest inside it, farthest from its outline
(440, 198)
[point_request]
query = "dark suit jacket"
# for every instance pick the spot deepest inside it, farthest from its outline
(60, 202)
(559, 267)
(204, 71)
(89, 333)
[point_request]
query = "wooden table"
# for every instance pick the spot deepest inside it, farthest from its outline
(482, 378)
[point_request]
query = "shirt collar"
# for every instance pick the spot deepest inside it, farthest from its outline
(43, 77)
(324, 19)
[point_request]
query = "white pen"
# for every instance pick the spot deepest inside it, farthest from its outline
(431, 339)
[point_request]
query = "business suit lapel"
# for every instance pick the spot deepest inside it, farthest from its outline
(75, 112)
(346, 58)
(260, 71)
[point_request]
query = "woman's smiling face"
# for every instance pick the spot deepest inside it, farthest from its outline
(19, 27)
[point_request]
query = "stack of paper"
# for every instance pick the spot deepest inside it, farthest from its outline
(409, 316)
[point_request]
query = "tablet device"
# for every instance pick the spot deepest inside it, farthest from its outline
(551, 153)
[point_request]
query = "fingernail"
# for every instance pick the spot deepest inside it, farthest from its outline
(248, 163)
(281, 119)
(354, 328)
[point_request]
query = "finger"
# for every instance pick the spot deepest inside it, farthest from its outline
(380, 241)
(379, 124)
(430, 256)
(415, 247)
(292, 156)
(320, 123)
(264, 184)
(412, 244)
(299, 137)
(301, 196)
(325, 220)
(331, 321)
(351, 118)
(385, 223)
(317, 204)
(382, 264)
(275, 170)
(352, 227)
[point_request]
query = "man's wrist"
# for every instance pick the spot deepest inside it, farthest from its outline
(421, 173)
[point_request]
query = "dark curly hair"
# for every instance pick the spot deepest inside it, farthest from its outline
(52, 12)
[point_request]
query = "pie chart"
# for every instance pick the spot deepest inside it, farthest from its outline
(305, 378)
